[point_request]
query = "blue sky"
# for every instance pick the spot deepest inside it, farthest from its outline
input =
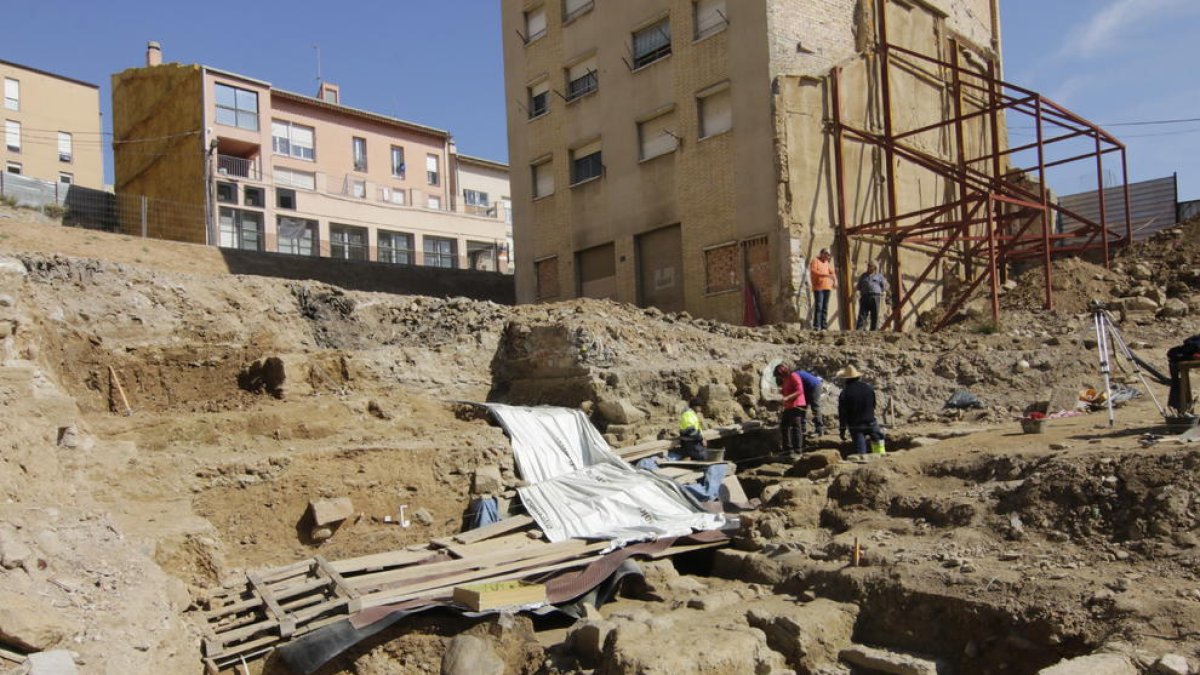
(440, 63)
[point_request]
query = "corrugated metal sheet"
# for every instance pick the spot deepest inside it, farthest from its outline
(1151, 207)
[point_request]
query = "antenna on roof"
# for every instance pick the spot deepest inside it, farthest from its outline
(317, 49)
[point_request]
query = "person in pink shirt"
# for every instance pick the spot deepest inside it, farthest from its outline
(793, 418)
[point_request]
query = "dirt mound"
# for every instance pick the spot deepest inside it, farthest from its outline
(1076, 283)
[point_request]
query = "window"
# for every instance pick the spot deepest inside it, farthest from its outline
(481, 256)
(13, 167)
(434, 203)
(535, 24)
(576, 8)
(227, 193)
(657, 136)
(240, 229)
(398, 161)
(582, 79)
(440, 252)
(293, 140)
(547, 278)
(359, 148)
(475, 198)
(652, 43)
(65, 178)
(12, 94)
(715, 111)
(12, 135)
(721, 268)
(64, 146)
(296, 179)
(393, 195)
(395, 248)
(543, 179)
(254, 196)
(585, 163)
(237, 107)
(285, 198)
(347, 243)
(297, 236)
(708, 17)
(539, 99)
(356, 188)
(431, 169)
(476, 202)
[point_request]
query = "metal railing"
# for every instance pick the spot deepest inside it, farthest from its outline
(240, 167)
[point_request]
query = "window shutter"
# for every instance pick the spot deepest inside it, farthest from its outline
(709, 16)
(656, 136)
(580, 69)
(543, 179)
(540, 88)
(587, 150)
(302, 136)
(431, 163)
(64, 144)
(716, 113)
(535, 23)
(12, 134)
(572, 6)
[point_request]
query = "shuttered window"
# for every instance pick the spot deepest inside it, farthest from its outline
(65, 147)
(535, 24)
(716, 112)
(12, 94)
(582, 78)
(710, 17)
(12, 135)
(657, 136)
(586, 162)
(652, 43)
(539, 99)
(296, 179)
(574, 8)
(543, 179)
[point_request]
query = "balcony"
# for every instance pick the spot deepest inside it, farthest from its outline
(240, 167)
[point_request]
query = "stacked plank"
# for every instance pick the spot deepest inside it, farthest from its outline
(276, 605)
(248, 620)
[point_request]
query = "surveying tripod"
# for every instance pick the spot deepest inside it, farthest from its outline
(1106, 331)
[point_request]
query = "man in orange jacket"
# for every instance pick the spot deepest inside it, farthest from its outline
(823, 283)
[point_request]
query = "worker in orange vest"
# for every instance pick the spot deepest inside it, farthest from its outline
(823, 283)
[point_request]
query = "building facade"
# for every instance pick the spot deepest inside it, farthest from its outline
(306, 175)
(51, 127)
(676, 153)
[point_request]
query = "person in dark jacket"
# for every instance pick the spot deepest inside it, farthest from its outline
(812, 394)
(856, 410)
(872, 286)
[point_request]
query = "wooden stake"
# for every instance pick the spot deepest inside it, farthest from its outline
(120, 390)
(856, 557)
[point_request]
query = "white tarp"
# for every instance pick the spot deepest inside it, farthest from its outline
(580, 489)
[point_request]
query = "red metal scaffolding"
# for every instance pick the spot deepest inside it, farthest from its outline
(998, 216)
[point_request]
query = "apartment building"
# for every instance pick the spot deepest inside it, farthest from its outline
(284, 172)
(676, 153)
(51, 127)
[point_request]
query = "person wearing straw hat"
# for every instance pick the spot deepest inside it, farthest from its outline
(856, 411)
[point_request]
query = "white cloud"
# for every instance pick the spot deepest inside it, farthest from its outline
(1111, 24)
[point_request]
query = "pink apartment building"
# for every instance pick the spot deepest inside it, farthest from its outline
(278, 171)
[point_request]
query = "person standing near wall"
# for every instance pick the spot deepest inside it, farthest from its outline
(872, 287)
(823, 283)
(812, 395)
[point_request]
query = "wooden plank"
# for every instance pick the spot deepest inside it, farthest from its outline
(380, 561)
(510, 542)
(379, 579)
(280, 594)
(287, 625)
(9, 655)
(340, 586)
(494, 530)
(384, 596)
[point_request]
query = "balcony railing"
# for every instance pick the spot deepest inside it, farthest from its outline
(239, 167)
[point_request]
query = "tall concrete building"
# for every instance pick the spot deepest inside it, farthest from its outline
(51, 127)
(277, 171)
(677, 153)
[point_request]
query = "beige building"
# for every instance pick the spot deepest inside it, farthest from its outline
(284, 172)
(51, 127)
(677, 153)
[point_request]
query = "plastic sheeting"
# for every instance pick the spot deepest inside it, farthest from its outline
(580, 489)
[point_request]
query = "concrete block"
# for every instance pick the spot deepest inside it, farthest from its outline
(883, 661)
(55, 662)
(1093, 664)
(327, 511)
